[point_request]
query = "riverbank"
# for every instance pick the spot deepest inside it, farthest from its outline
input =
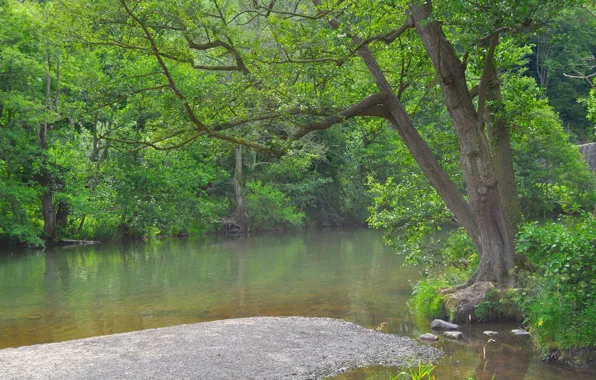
(245, 348)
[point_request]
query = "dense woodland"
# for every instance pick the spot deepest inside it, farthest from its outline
(144, 118)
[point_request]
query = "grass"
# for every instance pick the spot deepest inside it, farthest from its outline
(422, 371)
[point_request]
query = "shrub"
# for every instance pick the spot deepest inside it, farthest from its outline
(269, 208)
(563, 253)
(559, 304)
(426, 300)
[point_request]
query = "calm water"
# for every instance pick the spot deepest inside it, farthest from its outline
(79, 292)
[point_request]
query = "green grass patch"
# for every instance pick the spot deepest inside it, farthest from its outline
(426, 300)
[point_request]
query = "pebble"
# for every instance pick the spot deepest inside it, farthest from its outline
(520, 332)
(453, 334)
(429, 337)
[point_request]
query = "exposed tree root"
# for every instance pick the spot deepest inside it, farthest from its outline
(466, 284)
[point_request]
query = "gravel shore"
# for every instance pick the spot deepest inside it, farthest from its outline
(247, 348)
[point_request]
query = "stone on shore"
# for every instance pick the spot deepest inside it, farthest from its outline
(439, 324)
(520, 332)
(428, 337)
(491, 333)
(453, 335)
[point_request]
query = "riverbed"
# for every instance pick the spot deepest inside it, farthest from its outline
(78, 292)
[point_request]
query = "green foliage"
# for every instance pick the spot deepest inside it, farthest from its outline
(564, 253)
(499, 305)
(411, 206)
(412, 371)
(17, 219)
(459, 251)
(565, 47)
(170, 197)
(426, 300)
(590, 103)
(552, 178)
(559, 305)
(110, 102)
(557, 324)
(270, 208)
(405, 205)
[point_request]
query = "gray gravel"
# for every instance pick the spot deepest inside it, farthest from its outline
(247, 348)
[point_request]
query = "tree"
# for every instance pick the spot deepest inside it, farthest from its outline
(565, 49)
(232, 67)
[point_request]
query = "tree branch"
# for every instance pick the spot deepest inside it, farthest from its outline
(486, 73)
(358, 109)
(165, 69)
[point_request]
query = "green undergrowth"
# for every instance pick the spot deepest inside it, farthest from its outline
(559, 303)
(426, 300)
(421, 371)
(460, 259)
(556, 294)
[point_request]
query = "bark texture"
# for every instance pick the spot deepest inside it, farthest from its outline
(500, 147)
(495, 234)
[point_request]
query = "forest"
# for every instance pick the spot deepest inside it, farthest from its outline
(132, 119)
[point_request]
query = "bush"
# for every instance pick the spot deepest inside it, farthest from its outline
(269, 208)
(16, 222)
(563, 253)
(556, 323)
(426, 300)
(559, 304)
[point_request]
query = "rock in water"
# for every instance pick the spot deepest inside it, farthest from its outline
(439, 324)
(429, 337)
(453, 334)
(491, 333)
(520, 332)
(463, 302)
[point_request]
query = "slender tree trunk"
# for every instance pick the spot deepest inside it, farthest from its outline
(47, 207)
(495, 232)
(46, 182)
(240, 211)
(46, 179)
(81, 224)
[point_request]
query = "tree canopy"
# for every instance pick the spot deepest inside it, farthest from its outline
(123, 117)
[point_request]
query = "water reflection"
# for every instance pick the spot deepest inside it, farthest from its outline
(78, 292)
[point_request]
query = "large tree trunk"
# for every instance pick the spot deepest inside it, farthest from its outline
(500, 147)
(62, 214)
(483, 217)
(496, 243)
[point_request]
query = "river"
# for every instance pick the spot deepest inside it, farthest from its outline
(77, 292)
